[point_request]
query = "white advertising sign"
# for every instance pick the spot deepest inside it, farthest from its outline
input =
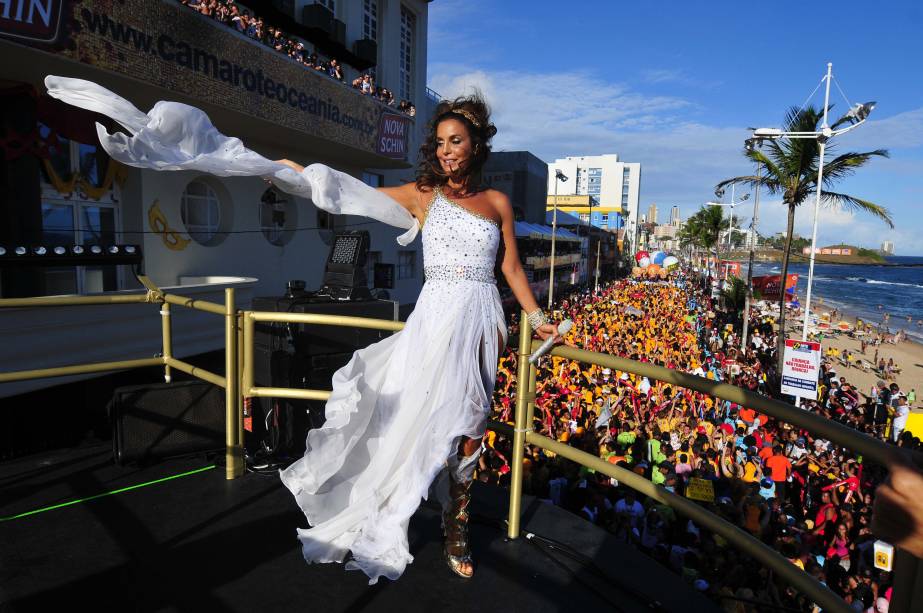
(801, 368)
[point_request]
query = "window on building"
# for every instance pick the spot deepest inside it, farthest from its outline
(374, 257)
(373, 179)
(68, 222)
(604, 219)
(406, 264)
(75, 218)
(330, 4)
(201, 212)
(408, 36)
(274, 216)
(370, 19)
(584, 217)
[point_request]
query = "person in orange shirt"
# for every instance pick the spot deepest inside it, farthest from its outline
(781, 470)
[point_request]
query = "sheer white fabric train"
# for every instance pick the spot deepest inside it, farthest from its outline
(176, 136)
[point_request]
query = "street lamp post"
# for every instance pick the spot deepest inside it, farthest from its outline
(558, 176)
(720, 193)
(750, 144)
(856, 116)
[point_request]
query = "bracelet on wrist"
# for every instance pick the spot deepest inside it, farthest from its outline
(537, 319)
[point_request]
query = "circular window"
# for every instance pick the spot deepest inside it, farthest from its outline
(201, 213)
(277, 217)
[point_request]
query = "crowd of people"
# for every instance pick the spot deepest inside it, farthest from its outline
(229, 13)
(809, 499)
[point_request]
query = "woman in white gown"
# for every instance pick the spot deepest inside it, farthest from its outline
(405, 405)
(415, 403)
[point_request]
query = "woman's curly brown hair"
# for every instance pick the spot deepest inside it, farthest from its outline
(429, 171)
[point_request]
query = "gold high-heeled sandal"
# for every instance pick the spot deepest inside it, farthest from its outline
(455, 529)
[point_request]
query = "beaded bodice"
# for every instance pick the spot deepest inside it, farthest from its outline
(458, 242)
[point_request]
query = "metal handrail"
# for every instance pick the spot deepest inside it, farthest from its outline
(238, 382)
(522, 434)
(234, 460)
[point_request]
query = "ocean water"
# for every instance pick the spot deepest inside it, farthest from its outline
(860, 290)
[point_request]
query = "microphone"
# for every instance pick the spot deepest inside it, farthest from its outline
(563, 328)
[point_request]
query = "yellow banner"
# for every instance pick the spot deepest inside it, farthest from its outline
(700, 489)
(569, 200)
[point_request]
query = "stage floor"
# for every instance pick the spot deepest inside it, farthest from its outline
(200, 543)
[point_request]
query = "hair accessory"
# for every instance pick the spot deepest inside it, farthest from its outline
(468, 115)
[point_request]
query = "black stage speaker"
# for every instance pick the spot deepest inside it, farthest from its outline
(162, 420)
(304, 357)
(311, 340)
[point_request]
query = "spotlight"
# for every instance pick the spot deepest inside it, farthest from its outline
(58, 251)
(113, 249)
(77, 250)
(96, 249)
(21, 250)
(39, 250)
(130, 249)
(2, 250)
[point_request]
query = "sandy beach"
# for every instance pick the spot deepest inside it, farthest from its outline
(907, 355)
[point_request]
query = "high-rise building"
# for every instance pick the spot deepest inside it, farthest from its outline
(601, 190)
(674, 216)
(652, 213)
(887, 248)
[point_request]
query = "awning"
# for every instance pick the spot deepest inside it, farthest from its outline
(564, 219)
(537, 231)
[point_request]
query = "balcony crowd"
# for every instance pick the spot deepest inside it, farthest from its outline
(235, 16)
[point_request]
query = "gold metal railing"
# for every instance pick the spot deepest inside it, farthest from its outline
(234, 458)
(238, 382)
(907, 572)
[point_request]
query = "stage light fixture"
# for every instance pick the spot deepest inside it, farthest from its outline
(71, 255)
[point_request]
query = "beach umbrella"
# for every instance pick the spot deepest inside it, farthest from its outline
(844, 325)
(670, 262)
(657, 257)
(644, 262)
(640, 255)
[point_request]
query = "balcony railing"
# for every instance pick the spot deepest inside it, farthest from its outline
(238, 382)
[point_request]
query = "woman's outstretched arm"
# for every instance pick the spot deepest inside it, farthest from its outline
(406, 195)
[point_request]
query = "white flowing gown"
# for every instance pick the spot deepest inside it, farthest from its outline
(399, 407)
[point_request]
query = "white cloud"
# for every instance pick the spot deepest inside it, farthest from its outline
(559, 114)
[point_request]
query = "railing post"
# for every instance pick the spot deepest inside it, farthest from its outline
(239, 323)
(233, 454)
(167, 326)
(519, 431)
(246, 377)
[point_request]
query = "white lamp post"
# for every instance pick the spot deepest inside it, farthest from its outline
(855, 116)
(558, 176)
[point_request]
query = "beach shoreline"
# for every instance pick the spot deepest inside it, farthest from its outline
(907, 355)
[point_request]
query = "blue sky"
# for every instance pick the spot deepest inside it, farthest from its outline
(674, 85)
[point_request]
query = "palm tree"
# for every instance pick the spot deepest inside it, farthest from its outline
(703, 229)
(790, 169)
(735, 295)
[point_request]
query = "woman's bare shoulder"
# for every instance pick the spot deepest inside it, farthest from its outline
(411, 196)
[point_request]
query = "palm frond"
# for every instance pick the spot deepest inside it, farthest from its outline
(846, 164)
(857, 204)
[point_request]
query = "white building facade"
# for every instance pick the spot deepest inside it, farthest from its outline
(601, 190)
